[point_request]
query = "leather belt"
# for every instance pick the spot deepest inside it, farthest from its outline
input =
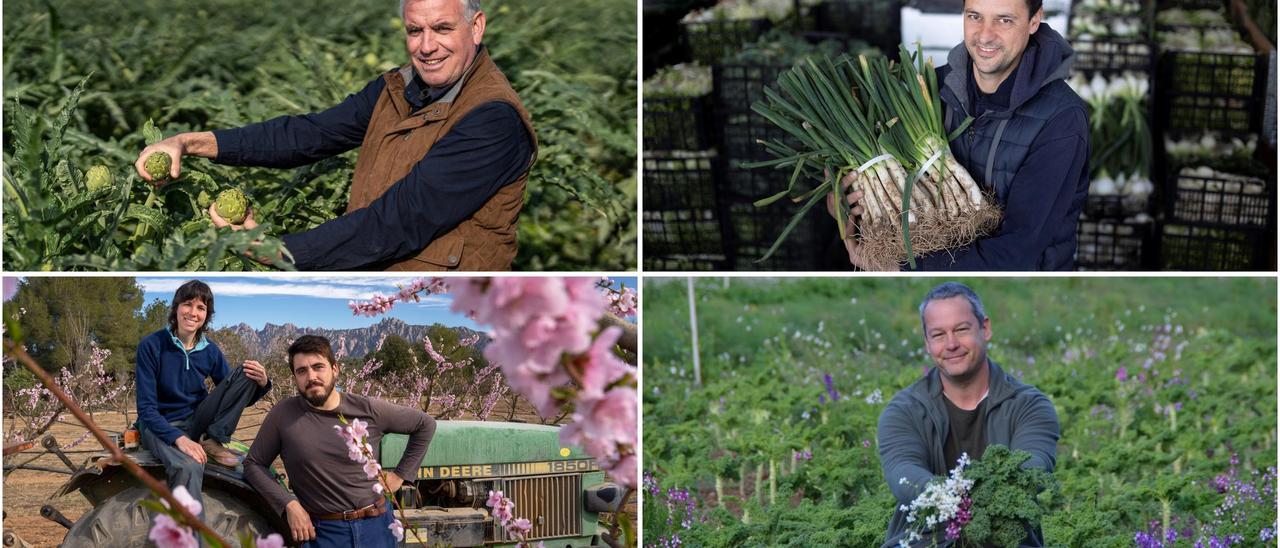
(371, 511)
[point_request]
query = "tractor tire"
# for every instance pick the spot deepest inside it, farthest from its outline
(121, 522)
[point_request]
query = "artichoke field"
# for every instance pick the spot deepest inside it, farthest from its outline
(82, 98)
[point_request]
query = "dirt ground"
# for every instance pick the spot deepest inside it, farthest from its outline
(25, 491)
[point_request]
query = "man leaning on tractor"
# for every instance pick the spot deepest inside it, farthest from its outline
(1028, 143)
(445, 148)
(965, 403)
(335, 504)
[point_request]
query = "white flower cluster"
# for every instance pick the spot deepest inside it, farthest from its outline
(940, 501)
(875, 397)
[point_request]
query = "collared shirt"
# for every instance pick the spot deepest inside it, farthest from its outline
(488, 149)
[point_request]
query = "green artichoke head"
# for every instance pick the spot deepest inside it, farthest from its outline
(232, 206)
(157, 165)
(99, 176)
(204, 199)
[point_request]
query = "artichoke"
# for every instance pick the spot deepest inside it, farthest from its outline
(99, 176)
(232, 206)
(157, 165)
(203, 200)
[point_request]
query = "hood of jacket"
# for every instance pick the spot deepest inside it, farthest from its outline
(1048, 57)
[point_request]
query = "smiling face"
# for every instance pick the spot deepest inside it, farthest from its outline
(441, 39)
(955, 338)
(996, 33)
(191, 316)
(314, 377)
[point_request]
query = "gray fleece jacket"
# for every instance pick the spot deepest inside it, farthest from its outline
(914, 426)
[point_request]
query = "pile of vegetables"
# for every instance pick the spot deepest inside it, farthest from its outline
(681, 80)
(1199, 30)
(1222, 151)
(781, 47)
(738, 10)
(1121, 136)
(1107, 19)
(881, 122)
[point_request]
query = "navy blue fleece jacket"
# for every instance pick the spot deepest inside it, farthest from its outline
(171, 380)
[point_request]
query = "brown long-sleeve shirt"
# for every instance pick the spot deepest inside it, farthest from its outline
(323, 478)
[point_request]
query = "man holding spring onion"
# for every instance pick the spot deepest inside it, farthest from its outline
(963, 405)
(1028, 143)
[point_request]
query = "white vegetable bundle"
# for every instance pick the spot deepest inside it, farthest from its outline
(883, 122)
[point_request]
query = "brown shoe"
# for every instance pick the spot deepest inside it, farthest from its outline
(219, 454)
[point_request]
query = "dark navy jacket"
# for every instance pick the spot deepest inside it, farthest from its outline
(487, 149)
(1030, 143)
(171, 380)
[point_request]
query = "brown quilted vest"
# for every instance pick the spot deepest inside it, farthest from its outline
(398, 138)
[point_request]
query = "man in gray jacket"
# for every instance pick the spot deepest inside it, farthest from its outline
(962, 405)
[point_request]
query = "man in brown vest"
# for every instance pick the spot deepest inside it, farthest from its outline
(446, 147)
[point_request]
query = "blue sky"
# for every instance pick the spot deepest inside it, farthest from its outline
(310, 301)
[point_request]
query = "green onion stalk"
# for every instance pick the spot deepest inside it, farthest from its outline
(882, 122)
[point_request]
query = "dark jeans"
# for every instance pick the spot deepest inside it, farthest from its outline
(358, 533)
(216, 417)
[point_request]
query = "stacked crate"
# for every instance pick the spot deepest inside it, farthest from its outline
(1218, 209)
(681, 220)
(1110, 38)
(751, 230)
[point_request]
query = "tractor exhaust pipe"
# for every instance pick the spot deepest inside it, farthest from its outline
(52, 514)
(50, 444)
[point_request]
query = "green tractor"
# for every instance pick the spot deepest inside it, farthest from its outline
(559, 489)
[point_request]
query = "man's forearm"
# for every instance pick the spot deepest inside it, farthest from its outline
(260, 479)
(200, 143)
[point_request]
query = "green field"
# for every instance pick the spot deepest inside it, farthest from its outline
(1183, 448)
(82, 78)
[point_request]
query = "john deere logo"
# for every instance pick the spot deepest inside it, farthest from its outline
(510, 469)
(564, 451)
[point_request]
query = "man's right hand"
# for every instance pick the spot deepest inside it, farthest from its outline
(202, 144)
(191, 448)
(852, 198)
(299, 522)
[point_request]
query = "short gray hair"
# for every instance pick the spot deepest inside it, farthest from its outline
(947, 290)
(469, 8)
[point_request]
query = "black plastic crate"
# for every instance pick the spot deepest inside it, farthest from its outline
(751, 230)
(710, 41)
(735, 89)
(678, 123)
(1195, 247)
(1214, 199)
(687, 232)
(680, 181)
(1113, 56)
(876, 22)
(1112, 245)
(1216, 91)
(1115, 206)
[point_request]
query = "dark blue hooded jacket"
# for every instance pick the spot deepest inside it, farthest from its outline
(1029, 143)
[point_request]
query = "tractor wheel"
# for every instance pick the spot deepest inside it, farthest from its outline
(120, 521)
